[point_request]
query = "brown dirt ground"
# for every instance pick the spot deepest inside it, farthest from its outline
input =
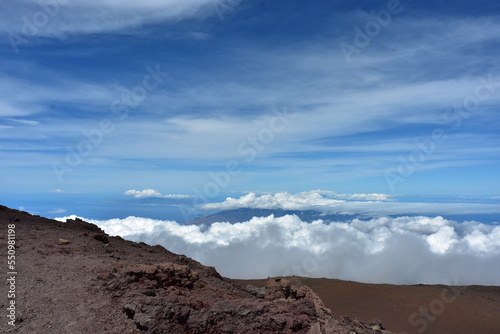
(476, 310)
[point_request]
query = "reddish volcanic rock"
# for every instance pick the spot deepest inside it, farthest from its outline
(101, 284)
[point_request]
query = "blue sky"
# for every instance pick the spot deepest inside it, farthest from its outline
(101, 97)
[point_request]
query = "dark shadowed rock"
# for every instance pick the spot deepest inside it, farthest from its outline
(102, 238)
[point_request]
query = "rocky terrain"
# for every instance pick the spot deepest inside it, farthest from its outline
(72, 278)
(410, 309)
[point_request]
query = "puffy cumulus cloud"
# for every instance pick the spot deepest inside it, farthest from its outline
(151, 193)
(366, 197)
(404, 250)
(281, 200)
(58, 18)
(309, 200)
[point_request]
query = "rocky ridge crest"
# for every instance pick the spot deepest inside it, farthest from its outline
(102, 284)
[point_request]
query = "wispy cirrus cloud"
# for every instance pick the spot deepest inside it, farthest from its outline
(57, 212)
(72, 17)
(352, 121)
(60, 191)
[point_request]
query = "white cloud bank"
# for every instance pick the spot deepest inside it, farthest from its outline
(403, 250)
(151, 193)
(329, 201)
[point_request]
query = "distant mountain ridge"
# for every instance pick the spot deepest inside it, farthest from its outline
(246, 214)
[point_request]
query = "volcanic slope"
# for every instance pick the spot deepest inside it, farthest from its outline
(73, 278)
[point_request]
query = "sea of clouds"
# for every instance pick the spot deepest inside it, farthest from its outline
(402, 250)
